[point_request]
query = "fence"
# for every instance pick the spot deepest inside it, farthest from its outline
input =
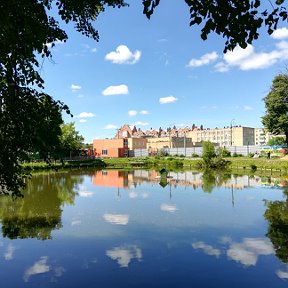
(193, 151)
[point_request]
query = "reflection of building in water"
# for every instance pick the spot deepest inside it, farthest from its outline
(112, 178)
(122, 179)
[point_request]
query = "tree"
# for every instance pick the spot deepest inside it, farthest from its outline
(30, 119)
(276, 141)
(275, 119)
(70, 140)
(238, 21)
(277, 216)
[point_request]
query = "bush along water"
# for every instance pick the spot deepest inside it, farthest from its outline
(211, 159)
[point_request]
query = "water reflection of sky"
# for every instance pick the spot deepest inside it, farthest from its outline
(127, 235)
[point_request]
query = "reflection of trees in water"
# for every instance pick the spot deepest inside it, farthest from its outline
(213, 178)
(277, 216)
(39, 212)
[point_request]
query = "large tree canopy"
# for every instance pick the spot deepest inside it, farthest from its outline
(30, 119)
(237, 21)
(275, 119)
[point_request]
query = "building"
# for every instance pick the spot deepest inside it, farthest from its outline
(125, 139)
(227, 136)
(155, 144)
(262, 136)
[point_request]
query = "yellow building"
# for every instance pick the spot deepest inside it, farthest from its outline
(229, 136)
(154, 144)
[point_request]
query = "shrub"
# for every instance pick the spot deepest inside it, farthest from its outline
(253, 167)
(223, 152)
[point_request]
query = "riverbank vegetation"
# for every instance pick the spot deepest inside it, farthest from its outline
(244, 164)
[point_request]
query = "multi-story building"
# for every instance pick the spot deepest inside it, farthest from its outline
(227, 136)
(262, 136)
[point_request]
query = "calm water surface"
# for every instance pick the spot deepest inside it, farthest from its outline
(124, 229)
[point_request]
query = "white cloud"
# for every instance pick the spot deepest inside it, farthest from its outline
(93, 50)
(85, 193)
(39, 267)
(248, 108)
(280, 33)
(110, 126)
(282, 274)
(168, 208)
(76, 222)
(248, 251)
(116, 219)
(75, 87)
(168, 99)
(207, 249)
(9, 252)
(203, 60)
(249, 59)
(115, 90)
(124, 255)
(140, 123)
(86, 115)
(83, 120)
(132, 113)
(49, 45)
(133, 194)
(123, 55)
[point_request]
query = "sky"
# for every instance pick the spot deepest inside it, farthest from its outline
(160, 73)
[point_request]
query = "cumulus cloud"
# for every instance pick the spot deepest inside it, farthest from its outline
(132, 113)
(203, 60)
(168, 99)
(9, 252)
(282, 274)
(75, 87)
(116, 219)
(123, 55)
(249, 59)
(115, 90)
(168, 208)
(124, 255)
(207, 249)
(248, 250)
(39, 267)
(57, 42)
(280, 33)
(110, 126)
(83, 120)
(86, 115)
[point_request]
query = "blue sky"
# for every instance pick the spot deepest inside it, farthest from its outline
(159, 73)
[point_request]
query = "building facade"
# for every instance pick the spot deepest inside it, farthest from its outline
(227, 136)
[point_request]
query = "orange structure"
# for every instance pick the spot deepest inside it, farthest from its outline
(110, 148)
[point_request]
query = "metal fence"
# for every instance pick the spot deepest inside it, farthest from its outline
(194, 151)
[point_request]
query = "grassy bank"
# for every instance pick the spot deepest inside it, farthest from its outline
(239, 163)
(34, 166)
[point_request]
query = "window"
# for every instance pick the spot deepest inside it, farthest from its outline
(104, 152)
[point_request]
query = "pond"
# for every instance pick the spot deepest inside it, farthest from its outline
(113, 228)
